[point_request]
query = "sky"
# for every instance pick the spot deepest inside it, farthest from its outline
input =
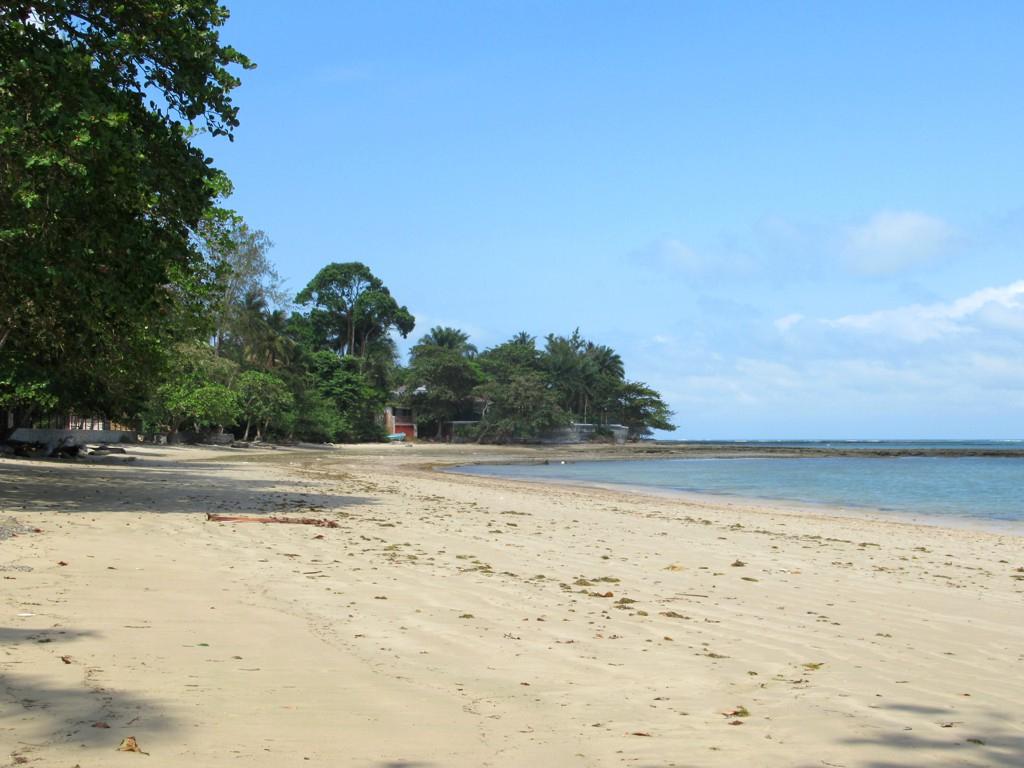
(795, 220)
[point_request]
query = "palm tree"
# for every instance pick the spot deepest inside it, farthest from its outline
(448, 338)
(523, 339)
(571, 371)
(609, 374)
(277, 348)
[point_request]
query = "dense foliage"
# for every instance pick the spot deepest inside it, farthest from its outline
(515, 391)
(101, 191)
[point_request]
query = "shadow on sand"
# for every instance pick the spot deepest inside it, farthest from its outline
(160, 487)
(992, 739)
(36, 710)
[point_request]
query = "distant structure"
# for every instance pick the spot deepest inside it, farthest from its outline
(399, 421)
(83, 429)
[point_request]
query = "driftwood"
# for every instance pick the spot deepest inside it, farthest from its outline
(212, 518)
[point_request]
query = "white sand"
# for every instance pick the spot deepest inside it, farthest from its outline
(456, 621)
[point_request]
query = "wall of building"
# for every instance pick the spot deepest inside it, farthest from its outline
(81, 436)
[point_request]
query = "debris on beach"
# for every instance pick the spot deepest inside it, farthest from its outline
(320, 523)
(129, 744)
(739, 711)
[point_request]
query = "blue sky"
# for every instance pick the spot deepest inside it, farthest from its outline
(795, 220)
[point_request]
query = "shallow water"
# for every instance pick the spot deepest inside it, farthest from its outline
(975, 488)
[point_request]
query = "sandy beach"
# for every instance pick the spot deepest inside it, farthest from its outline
(466, 621)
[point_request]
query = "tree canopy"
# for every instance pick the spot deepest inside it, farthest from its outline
(102, 190)
(516, 391)
(350, 307)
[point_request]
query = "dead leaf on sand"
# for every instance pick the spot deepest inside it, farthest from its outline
(639, 733)
(739, 711)
(673, 567)
(66, 659)
(129, 744)
(100, 724)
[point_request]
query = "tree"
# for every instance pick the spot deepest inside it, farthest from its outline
(346, 298)
(572, 373)
(514, 357)
(524, 406)
(102, 189)
(519, 400)
(245, 274)
(441, 382)
(448, 338)
(608, 376)
(212, 405)
(191, 367)
(356, 401)
(524, 339)
(641, 409)
(262, 398)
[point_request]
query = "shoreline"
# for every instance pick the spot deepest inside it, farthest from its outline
(460, 620)
(776, 504)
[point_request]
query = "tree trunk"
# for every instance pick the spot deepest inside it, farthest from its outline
(245, 437)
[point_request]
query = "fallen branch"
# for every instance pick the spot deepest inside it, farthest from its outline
(212, 518)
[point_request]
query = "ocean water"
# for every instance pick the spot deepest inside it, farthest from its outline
(977, 488)
(866, 445)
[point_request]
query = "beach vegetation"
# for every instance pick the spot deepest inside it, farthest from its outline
(515, 391)
(349, 307)
(104, 190)
(262, 398)
(440, 382)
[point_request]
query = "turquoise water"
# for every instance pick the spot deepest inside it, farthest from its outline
(975, 488)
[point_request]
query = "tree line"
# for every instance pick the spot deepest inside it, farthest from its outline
(130, 289)
(326, 369)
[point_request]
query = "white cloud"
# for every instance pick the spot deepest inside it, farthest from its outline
(893, 240)
(783, 324)
(999, 308)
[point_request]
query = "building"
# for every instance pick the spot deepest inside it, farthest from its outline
(399, 421)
